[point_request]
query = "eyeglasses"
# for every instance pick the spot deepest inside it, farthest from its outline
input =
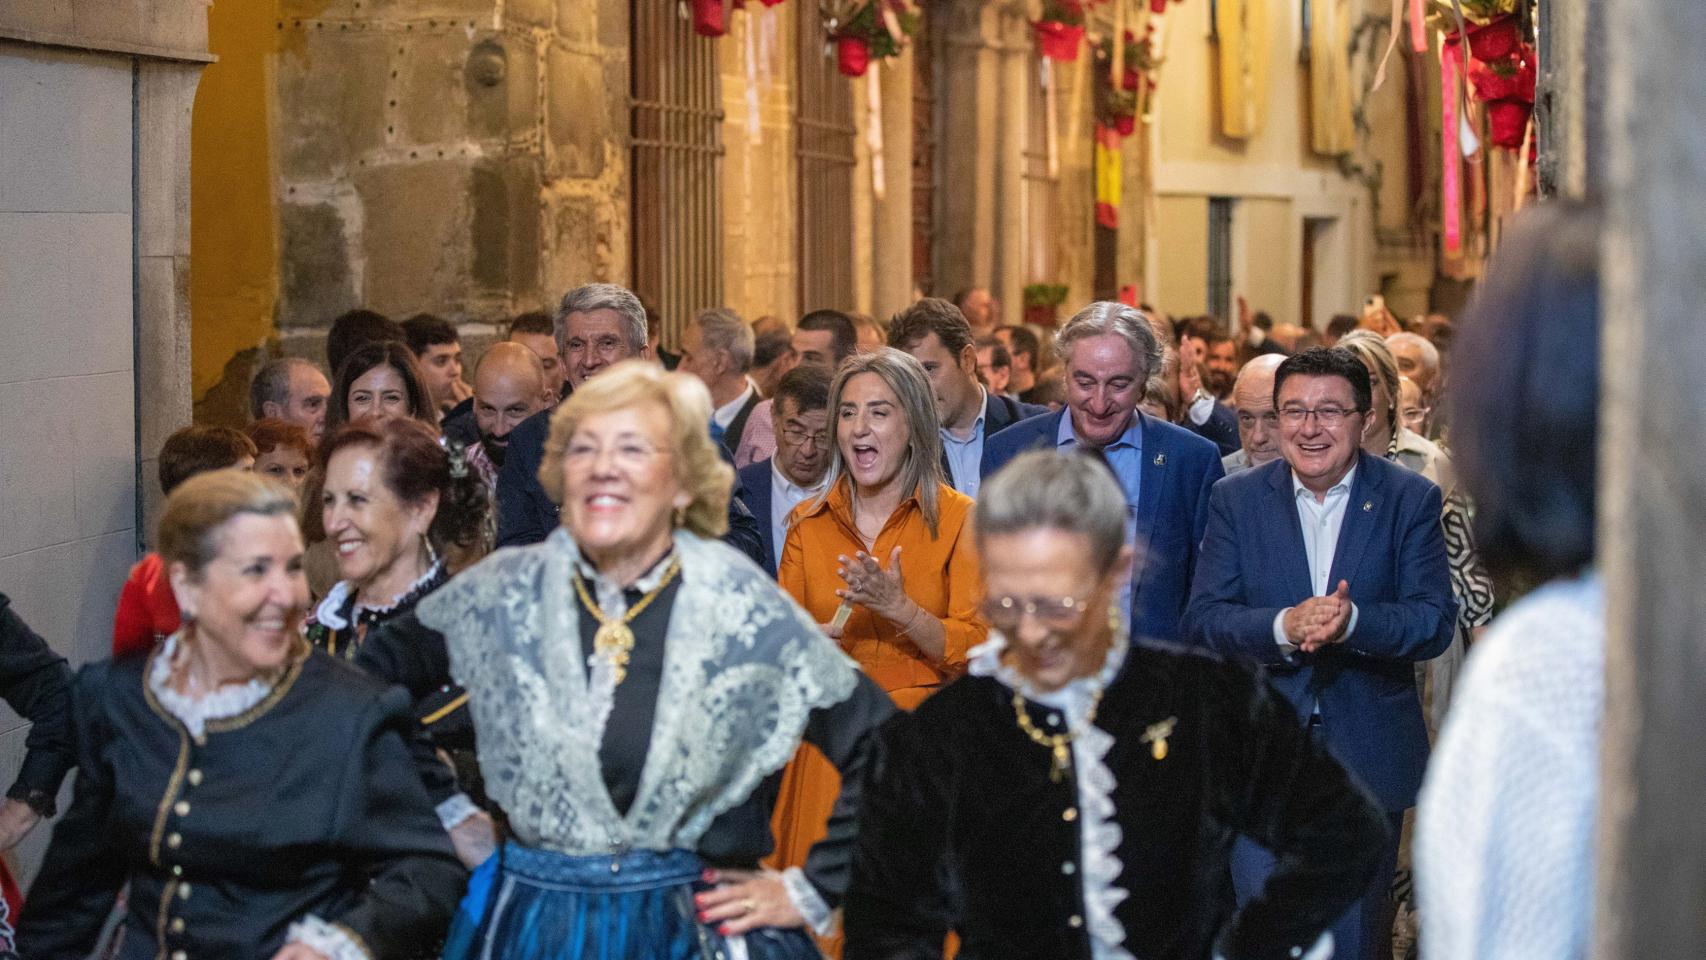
(603, 346)
(1056, 613)
(1325, 416)
(626, 455)
(799, 438)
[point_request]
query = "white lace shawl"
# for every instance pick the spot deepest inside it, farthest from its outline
(743, 667)
(1099, 833)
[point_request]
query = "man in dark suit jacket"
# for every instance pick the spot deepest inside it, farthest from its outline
(1109, 350)
(1329, 567)
(774, 486)
(603, 324)
(938, 336)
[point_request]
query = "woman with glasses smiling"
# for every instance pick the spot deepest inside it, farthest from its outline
(1077, 795)
(636, 688)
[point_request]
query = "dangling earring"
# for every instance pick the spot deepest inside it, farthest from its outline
(678, 517)
(1114, 622)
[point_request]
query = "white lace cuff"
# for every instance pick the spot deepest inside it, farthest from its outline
(452, 812)
(333, 940)
(807, 901)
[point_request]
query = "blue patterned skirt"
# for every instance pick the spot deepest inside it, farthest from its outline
(530, 904)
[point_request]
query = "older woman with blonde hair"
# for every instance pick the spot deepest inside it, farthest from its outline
(255, 798)
(883, 557)
(636, 687)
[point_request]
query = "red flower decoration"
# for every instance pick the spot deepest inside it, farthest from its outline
(1057, 40)
(852, 56)
(1507, 121)
(1495, 40)
(1126, 124)
(709, 19)
(1157, 6)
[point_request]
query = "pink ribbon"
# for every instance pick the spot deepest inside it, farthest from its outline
(1451, 185)
(1418, 27)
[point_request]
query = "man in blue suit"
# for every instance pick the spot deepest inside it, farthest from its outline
(1328, 567)
(774, 486)
(598, 326)
(1110, 350)
(939, 338)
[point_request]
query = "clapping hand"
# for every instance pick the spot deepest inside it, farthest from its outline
(1320, 621)
(869, 585)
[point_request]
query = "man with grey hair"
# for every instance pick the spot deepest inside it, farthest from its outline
(1258, 424)
(1419, 360)
(717, 348)
(598, 326)
(1109, 350)
(292, 390)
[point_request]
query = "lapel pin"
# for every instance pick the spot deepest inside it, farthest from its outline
(1161, 459)
(1156, 735)
(1367, 506)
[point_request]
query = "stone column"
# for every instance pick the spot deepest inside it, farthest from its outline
(1571, 96)
(891, 260)
(966, 229)
(1652, 539)
(1011, 272)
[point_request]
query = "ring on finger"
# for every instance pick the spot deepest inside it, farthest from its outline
(747, 906)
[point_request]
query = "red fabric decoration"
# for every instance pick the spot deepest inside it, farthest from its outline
(770, 3)
(1126, 124)
(1495, 40)
(1132, 79)
(709, 18)
(852, 56)
(1057, 40)
(1507, 122)
(1157, 6)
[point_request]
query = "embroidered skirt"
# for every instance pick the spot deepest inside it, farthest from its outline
(530, 904)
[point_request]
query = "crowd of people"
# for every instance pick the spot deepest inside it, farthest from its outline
(923, 638)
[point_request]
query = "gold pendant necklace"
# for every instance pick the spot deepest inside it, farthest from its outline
(1059, 744)
(614, 641)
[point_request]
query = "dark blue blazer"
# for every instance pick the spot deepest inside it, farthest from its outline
(754, 480)
(999, 413)
(526, 515)
(1179, 468)
(1391, 551)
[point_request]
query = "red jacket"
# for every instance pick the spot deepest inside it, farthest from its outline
(147, 608)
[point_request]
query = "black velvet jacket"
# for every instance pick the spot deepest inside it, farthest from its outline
(306, 803)
(957, 785)
(36, 683)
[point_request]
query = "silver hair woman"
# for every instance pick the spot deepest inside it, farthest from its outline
(1110, 776)
(635, 684)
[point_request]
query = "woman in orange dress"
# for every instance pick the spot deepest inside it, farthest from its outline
(892, 541)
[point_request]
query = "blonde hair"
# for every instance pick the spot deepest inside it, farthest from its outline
(1371, 349)
(698, 468)
(197, 509)
(921, 471)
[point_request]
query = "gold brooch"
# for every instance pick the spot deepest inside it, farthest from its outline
(1156, 735)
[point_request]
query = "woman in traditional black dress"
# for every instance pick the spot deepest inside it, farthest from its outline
(254, 794)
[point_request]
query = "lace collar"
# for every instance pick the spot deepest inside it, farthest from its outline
(984, 660)
(193, 711)
(331, 613)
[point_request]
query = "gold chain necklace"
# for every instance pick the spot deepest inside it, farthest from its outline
(614, 640)
(1059, 744)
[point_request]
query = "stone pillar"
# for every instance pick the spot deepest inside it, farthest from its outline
(1570, 100)
(1011, 271)
(891, 260)
(1652, 539)
(966, 148)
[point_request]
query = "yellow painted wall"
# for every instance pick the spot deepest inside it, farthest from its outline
(233, 249)
(1270, 259)
(1181, 255)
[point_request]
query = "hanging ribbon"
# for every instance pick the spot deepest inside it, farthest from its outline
(1391, 44)
(1051, 118)
(1522, 169)
(1418, 26)
(1116, 63)
(1108, 177)
(1451, 184)
(874, 127)
(754, 120)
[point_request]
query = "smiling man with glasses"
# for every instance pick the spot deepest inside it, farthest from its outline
(1328, 566)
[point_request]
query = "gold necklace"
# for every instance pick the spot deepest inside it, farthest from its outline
(614, 640)
(1059, 744)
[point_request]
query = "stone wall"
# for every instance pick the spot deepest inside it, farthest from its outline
(462, 157)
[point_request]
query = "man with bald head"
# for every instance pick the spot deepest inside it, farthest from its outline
(509, 387)
(1258, 424)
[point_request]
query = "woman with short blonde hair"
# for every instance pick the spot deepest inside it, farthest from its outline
(635, 686)
(237, 762)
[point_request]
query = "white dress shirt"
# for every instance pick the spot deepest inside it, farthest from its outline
(1321, 521)
(965, 456)
(725, 414)
(785, 495)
